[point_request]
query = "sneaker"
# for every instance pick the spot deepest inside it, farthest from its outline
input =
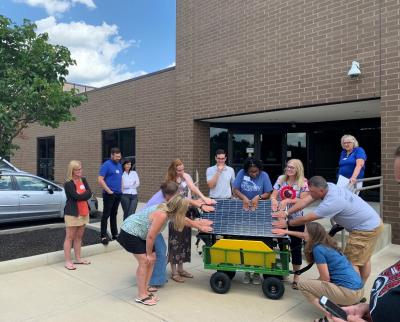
(246, 278)
(104, 241)
(256, 279)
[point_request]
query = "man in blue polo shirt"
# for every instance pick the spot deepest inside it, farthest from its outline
(110, 179)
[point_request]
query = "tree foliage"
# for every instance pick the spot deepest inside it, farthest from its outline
(32, 76)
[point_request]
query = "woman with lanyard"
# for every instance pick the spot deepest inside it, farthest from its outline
(288, 189)
(351, 162)
(76, 213)
(252, 185)
(179, 242)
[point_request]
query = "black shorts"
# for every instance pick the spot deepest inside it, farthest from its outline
(131, 243)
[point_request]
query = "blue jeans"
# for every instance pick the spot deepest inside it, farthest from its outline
(159, 276)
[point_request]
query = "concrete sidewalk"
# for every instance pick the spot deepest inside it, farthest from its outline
(105, 291)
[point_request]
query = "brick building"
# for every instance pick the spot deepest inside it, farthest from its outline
(262, 77)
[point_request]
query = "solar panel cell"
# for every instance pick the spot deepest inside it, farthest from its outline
(230, 218)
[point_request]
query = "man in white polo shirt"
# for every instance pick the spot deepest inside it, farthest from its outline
(220, 177)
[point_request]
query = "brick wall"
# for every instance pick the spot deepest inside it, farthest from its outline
(147, 103)
(245, 56)
(390, 111)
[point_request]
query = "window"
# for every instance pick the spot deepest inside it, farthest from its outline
(5, 183)
(30, 183)
(125, 139)
(45, 157)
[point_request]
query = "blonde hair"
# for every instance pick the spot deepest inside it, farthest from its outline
(176, 209)
(298, 166)
(171, 172)
(73, 164)
(351, 138)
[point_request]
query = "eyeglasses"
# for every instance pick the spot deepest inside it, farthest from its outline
(289, 167)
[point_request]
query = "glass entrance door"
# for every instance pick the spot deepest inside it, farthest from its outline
(296, 148)
(243, 146)
(271, 154)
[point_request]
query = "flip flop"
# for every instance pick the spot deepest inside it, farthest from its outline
(82, 262)
(185, 274)
(154, 297)
(149, 301)
(177, 278)
(295, 286)
(70, 267)
(152, 289)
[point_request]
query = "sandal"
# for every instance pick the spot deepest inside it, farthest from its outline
(295, 286)
(177, 278)
(152, 289)
(154, 297)
(70, 267)
(150, 301)
(185, 274)
(82, 262)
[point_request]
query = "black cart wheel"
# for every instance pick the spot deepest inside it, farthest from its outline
(231, 274)
(273, 288)
(220, 282)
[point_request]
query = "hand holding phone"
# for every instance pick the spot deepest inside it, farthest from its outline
(332, 308)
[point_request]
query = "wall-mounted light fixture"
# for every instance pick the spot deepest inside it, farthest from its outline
(354, 71)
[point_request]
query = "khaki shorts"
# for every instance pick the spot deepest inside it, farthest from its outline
(361, 245)
(72, 221)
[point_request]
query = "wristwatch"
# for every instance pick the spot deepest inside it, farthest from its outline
(260, 197)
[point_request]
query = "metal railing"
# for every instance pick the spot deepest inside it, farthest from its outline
(355, 189)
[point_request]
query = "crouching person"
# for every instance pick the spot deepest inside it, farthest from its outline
(338, 279)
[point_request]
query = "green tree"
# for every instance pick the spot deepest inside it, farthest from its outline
(32, 76)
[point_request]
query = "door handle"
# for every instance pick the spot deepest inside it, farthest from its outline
(25, 196)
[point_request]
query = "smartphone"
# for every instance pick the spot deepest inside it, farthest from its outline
(332, 308)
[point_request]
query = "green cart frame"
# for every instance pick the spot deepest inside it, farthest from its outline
(272, 285)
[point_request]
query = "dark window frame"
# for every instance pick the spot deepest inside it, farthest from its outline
(105, 155)
(50, 161)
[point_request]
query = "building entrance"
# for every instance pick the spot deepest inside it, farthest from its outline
(317, 145)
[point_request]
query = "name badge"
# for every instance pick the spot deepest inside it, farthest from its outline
(116, 171)
(246, 178)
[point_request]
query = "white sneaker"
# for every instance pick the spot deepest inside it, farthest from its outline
(246, 278)
(256, 279)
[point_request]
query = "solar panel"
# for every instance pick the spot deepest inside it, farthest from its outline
(230, 218)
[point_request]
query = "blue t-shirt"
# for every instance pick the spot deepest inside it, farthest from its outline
(348, 163)
(341, 272)
(252, 187)
(112, 173)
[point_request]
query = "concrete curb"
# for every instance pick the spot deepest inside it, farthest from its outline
(25, 263)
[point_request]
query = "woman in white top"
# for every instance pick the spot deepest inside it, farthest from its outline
(130, 183)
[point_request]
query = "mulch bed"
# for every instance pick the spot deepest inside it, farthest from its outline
(39, 241)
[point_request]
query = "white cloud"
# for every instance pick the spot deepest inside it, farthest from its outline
(93, 47)
(54, 7)
(173, 64)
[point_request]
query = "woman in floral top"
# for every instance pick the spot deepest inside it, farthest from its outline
(288, 189)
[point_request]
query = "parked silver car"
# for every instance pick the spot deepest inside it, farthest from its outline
(24, 196)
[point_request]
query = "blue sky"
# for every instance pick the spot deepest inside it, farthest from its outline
(111, 40)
